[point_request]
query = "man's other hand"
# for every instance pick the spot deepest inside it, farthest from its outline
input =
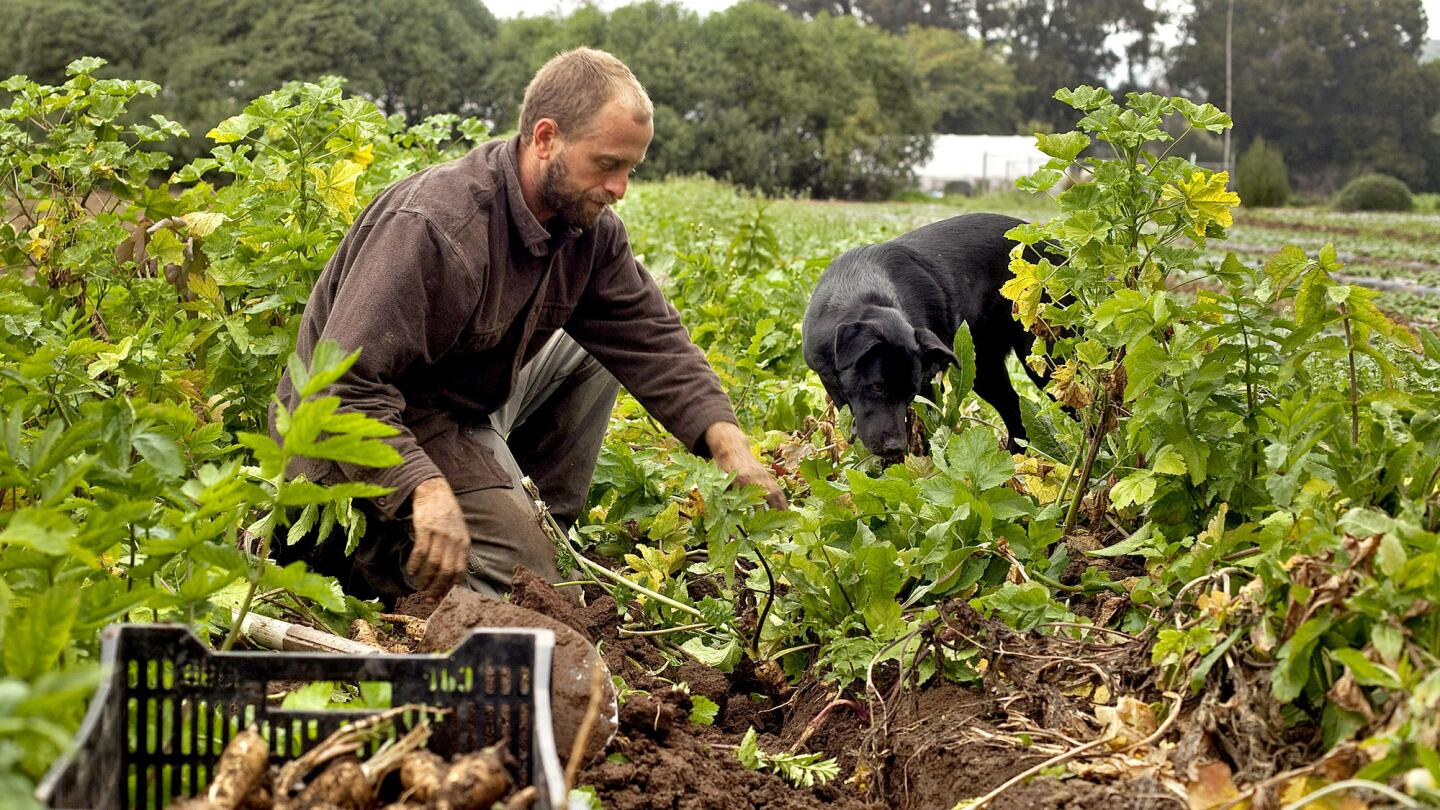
(730, 448)
(442, 543)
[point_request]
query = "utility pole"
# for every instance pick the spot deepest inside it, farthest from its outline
(1229, 27)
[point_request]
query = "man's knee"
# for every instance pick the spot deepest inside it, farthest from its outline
(505, 531)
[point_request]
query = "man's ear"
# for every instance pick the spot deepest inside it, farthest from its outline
(935, 356)
(853, 340)
(545, 140)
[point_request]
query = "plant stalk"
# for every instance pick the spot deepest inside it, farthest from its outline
(1354, 384)
(1084, 478)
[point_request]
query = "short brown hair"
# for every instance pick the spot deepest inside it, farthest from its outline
(572, 87)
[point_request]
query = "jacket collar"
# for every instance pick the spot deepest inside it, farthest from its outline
(538, 239)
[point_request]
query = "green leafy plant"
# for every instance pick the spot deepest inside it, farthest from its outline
(1254, 472)
(1375, 192)
(801, 770)
(1261, 177)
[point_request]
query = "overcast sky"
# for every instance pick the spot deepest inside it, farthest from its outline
(513, 8)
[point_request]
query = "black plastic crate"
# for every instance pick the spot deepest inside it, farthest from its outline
(168, 706)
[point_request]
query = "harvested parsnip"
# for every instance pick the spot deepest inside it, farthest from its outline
(240, 768)
(475, 781)
(420, 775)
(342, 785)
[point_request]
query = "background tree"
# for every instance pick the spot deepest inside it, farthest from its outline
(833, 105)
(973, 89)
(750, 94)
(411, 59)
(892, 15)
(1336, 86)
(1050, 43)
(210, 57)
(46, 35)
(830, 106)
(1066, 43)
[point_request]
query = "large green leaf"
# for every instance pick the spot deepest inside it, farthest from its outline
(36, 634)
(1292, 660)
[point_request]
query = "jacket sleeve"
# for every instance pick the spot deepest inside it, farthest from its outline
(403, 299)
(626, 323)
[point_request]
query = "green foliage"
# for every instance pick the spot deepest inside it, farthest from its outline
(1261, 177)
(145, 326)
(1261, 422)
(1047, 44)
(1265, 450)
(1374, 192)
(48, 36)
(968, 82)
(703, 710)
(404, 56)
(751, 95)
(1334, 87)
(800, 770)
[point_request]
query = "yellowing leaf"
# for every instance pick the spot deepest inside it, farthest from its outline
(1214, 603)
(1298, 788)
(1067, 389)
(233, 129)
(203, 223)
(1128, 722)
(1024, 289)
(1310, 298)
(38, 248)
(205, 287)
(1206, 199)
(1213, 786)
(1363, 309)
(365, 155)
(337, 187)
(109, 360)
(1041, 479)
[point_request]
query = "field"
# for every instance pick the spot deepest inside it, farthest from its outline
(1212, 587)
(1397, 254)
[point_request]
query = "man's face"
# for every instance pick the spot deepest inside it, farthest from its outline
(592, 169)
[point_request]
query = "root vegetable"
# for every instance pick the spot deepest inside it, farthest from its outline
(420, 775)
(364, 632)
(240, 768)
(522, 799)
(260, 797)
(343, 785)
(475, 781)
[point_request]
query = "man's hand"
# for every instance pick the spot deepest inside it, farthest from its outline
(442, 543)
(730, 448)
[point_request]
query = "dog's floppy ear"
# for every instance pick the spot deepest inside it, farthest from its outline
(853, 340)
(935, 356)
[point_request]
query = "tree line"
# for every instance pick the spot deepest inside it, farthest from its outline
(834, 98)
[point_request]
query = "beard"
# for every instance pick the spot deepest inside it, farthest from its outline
(570, 204)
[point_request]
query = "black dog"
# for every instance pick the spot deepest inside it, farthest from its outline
(883, 317)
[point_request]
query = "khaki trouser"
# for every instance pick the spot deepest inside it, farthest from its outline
(551, 429)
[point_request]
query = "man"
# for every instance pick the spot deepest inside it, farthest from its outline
(496, 301)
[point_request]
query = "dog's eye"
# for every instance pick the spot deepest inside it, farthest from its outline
(877, 388)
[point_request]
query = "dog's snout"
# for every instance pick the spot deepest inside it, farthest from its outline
(891, 446)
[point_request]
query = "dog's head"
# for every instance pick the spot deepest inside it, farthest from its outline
(882, 362)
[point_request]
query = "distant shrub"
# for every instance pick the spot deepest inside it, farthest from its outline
(1261, 177)
(959, 188)
(1375, 192)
